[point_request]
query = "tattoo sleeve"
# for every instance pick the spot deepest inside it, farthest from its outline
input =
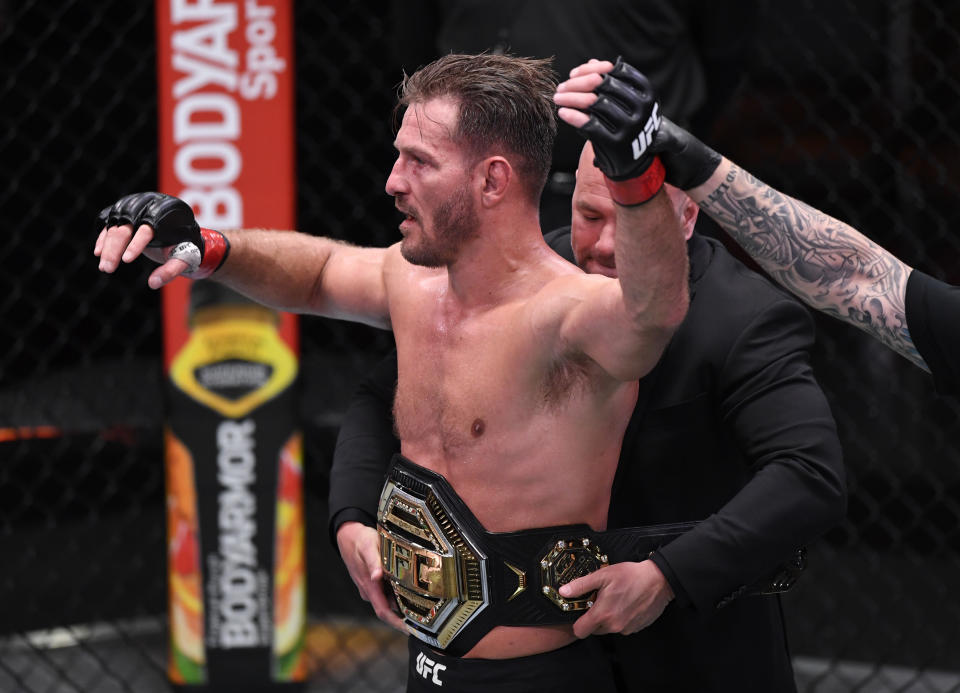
(823, 261)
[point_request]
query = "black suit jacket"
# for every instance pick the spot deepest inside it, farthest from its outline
(932, 308)
(731, 429)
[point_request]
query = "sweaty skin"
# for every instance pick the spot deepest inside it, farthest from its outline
(517, 371)
(480, 401)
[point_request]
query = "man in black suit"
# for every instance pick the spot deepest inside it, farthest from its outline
(730, 428)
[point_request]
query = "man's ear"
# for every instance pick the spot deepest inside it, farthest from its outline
(688, 217)
(497, 176)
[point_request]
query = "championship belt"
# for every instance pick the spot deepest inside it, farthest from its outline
(454, 581)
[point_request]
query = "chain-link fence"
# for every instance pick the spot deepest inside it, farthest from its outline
(850, 105)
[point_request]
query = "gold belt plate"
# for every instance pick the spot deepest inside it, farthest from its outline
(438, 577)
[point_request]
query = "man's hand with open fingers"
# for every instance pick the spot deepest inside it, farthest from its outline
(613, 105)
(577, 94)
(630, 596)
(164, 229)
(360, 549)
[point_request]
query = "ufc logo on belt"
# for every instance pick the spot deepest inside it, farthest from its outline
(429, 669)
(645, 138)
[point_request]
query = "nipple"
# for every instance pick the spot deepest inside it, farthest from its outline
(478, 428)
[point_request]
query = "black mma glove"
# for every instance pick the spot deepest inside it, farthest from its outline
(623, 122)
(174, 225)
(687, 160)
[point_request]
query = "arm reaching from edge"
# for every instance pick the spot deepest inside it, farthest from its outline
(826, 263)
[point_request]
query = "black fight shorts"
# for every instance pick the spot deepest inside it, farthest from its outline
(581, 667)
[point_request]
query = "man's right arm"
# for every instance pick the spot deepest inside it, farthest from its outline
(301, 273)
(283, 269)
(365, 444)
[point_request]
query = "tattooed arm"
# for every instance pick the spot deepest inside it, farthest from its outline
(828, 264)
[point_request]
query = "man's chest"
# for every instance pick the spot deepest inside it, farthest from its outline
(465, 382)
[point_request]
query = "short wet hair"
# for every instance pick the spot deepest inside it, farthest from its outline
(503, 102)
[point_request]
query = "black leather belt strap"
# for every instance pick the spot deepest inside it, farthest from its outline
(523, 569)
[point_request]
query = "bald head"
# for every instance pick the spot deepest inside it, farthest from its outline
(593, 220)
(589, 177)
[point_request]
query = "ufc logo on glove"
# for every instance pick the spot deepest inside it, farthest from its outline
(645, 138)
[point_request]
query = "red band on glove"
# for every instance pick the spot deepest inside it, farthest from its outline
(216, 247)
(636, 191)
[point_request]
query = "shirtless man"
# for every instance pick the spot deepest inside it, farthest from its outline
(517, 371)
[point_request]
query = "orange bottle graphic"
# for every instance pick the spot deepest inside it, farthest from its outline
(289, 585)
(187, 660)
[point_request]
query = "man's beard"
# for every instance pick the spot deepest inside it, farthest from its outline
(455, 222)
